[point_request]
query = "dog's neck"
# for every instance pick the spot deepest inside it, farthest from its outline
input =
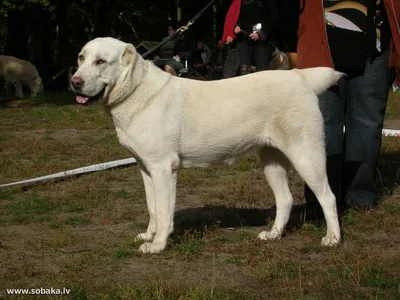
(136, 80)
(126, 84)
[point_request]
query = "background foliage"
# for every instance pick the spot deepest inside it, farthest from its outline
(49, 33)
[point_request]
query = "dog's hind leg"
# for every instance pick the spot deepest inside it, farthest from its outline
(151, 207)
(308, 158)
(276, 166)
(164, 178)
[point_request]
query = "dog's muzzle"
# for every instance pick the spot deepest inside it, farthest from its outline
(77, 85)
(83, 99)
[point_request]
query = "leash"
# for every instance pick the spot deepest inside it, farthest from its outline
(179, 31)
(50, 80)
(74, 172)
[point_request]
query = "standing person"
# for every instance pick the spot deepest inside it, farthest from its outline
(242, 16)
(362, 39)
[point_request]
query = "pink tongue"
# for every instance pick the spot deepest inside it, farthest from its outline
(81, 99)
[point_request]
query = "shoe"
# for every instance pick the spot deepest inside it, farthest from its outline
(358, 205)
(362, 207)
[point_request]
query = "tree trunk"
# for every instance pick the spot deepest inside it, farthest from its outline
(17, 36)
(101, 20)
(41, 42)
(62, 44)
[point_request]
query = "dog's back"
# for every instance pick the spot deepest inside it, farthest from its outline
(19, 71)
(14, 67)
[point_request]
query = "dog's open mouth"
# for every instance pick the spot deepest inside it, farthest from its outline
(83, 99)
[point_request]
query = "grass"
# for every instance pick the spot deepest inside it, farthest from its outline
(121, 253)
(79, 232)
(190, 244)
(75, 220)
(26, 211)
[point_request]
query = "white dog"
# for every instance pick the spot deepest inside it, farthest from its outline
(20, 73)
(168, 122)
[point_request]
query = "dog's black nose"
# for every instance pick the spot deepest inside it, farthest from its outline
(77, 83)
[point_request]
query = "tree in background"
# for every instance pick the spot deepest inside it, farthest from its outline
(14, 25)
(51, 32)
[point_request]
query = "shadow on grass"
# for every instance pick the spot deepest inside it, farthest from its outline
(47, 98)
(204, 218)
(389, 172)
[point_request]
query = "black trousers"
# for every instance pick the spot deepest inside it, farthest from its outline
(254, 53)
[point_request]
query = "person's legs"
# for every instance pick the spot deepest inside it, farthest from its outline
(160, 63)
(365, 111)
(262, 56)
(170, 70)
(218, 72)
(331, 104)
(173, 67)
(210, 73)
(245, 56)
(206, 71)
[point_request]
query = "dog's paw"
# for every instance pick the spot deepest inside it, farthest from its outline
(151, 248)
(270, 235)
(330, 241)
(145, 237)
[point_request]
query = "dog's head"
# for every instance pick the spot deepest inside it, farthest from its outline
(100, 65)
(37, 86)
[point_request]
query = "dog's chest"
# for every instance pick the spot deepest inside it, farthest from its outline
(142, 145)
(130, 143)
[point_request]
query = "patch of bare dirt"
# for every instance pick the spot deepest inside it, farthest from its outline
(392, 124)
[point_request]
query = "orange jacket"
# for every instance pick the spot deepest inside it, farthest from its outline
(313, 48)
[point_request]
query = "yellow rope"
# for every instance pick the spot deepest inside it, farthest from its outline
(185, 27)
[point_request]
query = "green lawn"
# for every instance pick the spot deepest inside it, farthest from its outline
(78, 233)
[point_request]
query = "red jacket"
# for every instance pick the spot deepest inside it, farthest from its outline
(231, 19)
(313, 48)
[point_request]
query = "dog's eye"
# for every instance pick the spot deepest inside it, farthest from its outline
(81, 58)
(100, 61)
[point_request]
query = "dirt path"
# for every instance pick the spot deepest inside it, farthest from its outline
(392, 124)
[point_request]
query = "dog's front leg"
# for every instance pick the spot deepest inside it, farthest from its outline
(18, 89)
(151, 207)
(163, 178)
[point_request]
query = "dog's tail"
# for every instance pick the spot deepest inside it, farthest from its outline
(321, 78)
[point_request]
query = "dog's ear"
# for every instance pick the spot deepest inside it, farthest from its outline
(128, 55)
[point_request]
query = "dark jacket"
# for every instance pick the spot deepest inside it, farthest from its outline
(184, 46)
(204, 56)
(268, 24)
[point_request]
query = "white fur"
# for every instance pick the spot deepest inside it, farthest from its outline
(168, 122)
(20, 72)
